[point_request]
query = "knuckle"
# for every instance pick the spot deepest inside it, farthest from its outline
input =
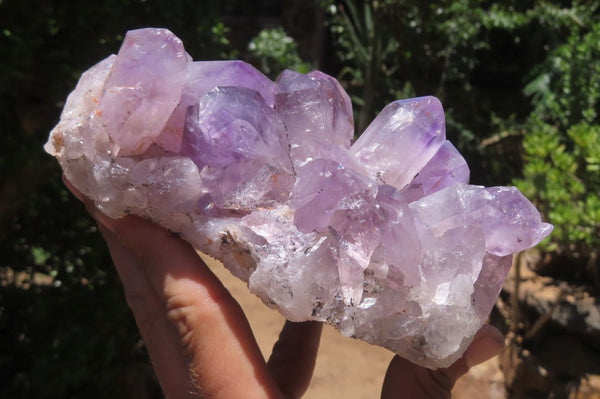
(183, 316)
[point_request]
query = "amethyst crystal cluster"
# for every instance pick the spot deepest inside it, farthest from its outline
(383, 238)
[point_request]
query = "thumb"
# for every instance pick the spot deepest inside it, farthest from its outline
(404, 379)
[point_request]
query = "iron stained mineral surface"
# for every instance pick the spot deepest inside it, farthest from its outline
(382, 238)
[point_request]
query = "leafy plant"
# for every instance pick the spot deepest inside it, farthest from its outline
(562, 174)
(273, 51)
(562, 147)
(367, 48)
(456, 50)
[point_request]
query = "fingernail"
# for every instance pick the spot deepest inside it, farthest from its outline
(72, 189)
(484, 349)
(101, 218)
(107, 222)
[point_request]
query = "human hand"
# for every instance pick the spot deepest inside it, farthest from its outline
(198, 338)
(200, 342)
(404, 379)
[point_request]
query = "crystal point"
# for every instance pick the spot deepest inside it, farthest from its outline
(143, 88)
(384, 239)
(402, 139)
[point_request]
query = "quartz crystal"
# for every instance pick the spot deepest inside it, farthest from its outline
(383, 239)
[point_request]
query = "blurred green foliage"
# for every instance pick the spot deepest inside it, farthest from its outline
(474, 55)
(272, 51)
(367, 49)
(65, 329)
(562, 146)
(562, 176)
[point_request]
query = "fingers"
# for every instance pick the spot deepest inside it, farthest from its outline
(162, 342)
(404, 379)
(197, 335)
(488, 342)
(171, 369)
(407, 380)
(210, 328)
(292, 361)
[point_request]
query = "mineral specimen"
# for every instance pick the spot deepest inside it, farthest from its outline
(384, 238)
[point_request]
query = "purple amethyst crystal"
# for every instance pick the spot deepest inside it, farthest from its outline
(384, 239)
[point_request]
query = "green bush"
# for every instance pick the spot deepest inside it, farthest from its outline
(272, 50)
(562, 175)
(562, 147)
(472, 54)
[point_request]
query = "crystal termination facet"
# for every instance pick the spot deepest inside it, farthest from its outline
(383, 239)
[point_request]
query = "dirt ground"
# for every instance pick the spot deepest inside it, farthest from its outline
(346, 368)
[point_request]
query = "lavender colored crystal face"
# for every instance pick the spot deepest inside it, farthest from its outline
(384, 239)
